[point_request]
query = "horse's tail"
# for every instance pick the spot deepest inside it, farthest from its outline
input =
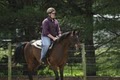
(19, 53)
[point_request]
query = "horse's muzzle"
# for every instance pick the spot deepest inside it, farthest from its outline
(77, 46)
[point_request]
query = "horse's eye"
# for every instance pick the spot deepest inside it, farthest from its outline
(77, 36)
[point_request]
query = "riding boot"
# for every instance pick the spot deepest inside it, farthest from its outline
(43, 60)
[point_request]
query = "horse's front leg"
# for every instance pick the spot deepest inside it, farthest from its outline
(61, 72)
(55, 72)
(56, 75)
(30, 75)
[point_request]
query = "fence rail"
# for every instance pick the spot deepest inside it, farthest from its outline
(81, 60)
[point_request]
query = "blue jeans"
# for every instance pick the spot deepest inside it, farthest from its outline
(45, 45)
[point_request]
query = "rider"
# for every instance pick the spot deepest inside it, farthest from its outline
(50, 31)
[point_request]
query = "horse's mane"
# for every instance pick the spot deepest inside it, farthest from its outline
(62, 37)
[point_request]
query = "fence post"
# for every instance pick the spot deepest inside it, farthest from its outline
(84, 61)
(9, 61)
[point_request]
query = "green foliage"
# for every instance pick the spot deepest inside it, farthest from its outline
(70, 23)
(26, 19)
(108, 61)
(107, 7)
(3, 53)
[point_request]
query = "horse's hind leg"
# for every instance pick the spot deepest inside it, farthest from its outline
(30, 73)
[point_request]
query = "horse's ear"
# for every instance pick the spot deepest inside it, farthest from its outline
(75, 32)
(72, 33)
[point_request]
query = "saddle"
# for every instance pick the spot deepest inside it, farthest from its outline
(38, 44)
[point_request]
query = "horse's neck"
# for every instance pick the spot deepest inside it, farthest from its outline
(66, 43)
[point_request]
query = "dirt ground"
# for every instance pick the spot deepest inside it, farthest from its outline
(66, 78)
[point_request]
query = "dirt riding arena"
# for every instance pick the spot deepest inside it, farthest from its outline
(66, 78)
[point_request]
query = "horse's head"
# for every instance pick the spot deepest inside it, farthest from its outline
(74, 39)
(70, 37)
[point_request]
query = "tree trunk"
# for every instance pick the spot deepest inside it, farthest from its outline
(89, 45)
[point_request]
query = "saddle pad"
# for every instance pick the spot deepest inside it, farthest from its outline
(37, 44)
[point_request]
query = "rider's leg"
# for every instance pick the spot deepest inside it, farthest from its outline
(45, 45)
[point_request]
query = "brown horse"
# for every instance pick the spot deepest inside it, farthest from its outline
(57, 55)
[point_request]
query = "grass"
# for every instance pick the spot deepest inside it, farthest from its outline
(68, 71)
(73, 70)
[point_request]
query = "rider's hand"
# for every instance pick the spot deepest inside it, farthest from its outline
(55, 38)
(59, 35)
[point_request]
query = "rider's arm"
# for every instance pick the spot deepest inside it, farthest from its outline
(50, 36)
